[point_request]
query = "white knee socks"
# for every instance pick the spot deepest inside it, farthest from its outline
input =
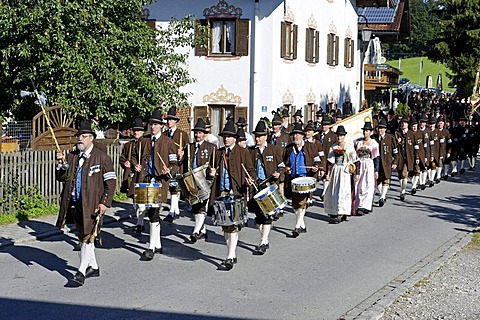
(155, 236)
(199, 223)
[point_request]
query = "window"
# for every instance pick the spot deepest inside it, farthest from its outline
(222, 37)
(312, 45)
(332, 49)
(349, 53)
(218, 115)
(309, 112)
(288, 41)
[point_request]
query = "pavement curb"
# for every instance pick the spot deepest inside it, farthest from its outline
(374, 306)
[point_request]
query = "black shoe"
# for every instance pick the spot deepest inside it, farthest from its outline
(296, 232)
(422, 187)
(229, 263)
(336, 219)
(138, 229)
(168, 218)
(343, 218)
(414, 190)
(91, 273)
(360, 212)
(77, 246)
(437, 181)
(194, 237)
(402, 197)
(149, 253)
(471, 169)
(79, 278)
(261, 249)
(445, 177)
(321, 198)
(462, 171)
(431, 184)
(453, 174)
(381, 202)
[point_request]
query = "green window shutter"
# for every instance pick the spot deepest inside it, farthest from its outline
(317, 46)
(242, 37)
(308, 45)
(201, 37)
(346, 52)
(352, 54)
(329, 49)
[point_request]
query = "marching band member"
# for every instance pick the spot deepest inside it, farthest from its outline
(388, 160)
(200, 153)
(434, 150)
(406, 156)
(266, 160)
(427, 151)
(241, 138)
(131, 176)
(327, 139)
(419, 146)
(242, 124)
(445, 142)
(301, 159)
(158, 159)
(368, 155)
(231, 179)
(309, 138)
(88, 187)
(338, 195)
(180, 138)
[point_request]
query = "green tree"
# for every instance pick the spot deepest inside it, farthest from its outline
(96, 58)
(424, 28)
(458, 42)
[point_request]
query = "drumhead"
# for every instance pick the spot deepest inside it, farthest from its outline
(265, 192)
(303, 181)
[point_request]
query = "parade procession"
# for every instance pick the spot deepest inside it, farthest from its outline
(347, 167)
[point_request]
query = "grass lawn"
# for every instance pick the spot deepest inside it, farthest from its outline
(411, 70)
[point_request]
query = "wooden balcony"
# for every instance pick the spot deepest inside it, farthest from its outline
(375, 3)
(380, 76)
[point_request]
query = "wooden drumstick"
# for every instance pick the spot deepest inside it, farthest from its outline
(249, 177)
(189, 159)
(181, 136)
(163, 162)
(140, 154)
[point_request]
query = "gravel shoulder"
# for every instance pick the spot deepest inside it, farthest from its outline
(450, 292)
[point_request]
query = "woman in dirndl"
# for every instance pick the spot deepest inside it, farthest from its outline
(340, 167)
(367, 170)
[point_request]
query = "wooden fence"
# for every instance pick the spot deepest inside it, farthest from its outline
(20, 170)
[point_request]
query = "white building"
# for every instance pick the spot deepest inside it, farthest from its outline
(267, 54)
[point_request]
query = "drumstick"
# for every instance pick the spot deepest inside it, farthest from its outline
(140, 154)
(158, 154)
(213, 158)
(177, 144)
(307, 167)
(249, 177)
(189, 159)
(181, 136)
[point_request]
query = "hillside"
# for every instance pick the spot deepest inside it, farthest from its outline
(411, 70)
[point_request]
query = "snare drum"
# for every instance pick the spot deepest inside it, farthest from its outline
(147, 195)
(229, 211)
(194, 185)
(270, 199)
(303, 185)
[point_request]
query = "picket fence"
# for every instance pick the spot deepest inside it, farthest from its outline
(20, 170)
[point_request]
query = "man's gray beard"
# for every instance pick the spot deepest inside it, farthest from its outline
(298, 142)
(81, 146)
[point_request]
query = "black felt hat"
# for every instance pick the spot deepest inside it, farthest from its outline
(367, 126)
(260, 129)
(298, 113)
(309, 127)
(241, 134)
(338, 114)
(382, 123)
(229, 129)
(86, 128)
(138, 125)
(423, 118)
(241, 122)
(276, 119)
(208, 124)
(340, 130)
(440, 119)
(156, 117)
(432, 120)
(413, 121)
(405, 119)
(200, 126)
(326, 119)
(172, 114)
(297, 128)
(319, 113)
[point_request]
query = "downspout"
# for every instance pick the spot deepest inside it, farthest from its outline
(254, 99)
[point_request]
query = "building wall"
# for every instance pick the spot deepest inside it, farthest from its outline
(263, 78)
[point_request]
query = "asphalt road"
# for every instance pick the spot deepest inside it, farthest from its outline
(322, 274)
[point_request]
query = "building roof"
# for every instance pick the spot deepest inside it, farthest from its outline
(391, 25)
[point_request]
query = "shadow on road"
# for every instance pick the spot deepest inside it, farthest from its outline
(26, 310)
